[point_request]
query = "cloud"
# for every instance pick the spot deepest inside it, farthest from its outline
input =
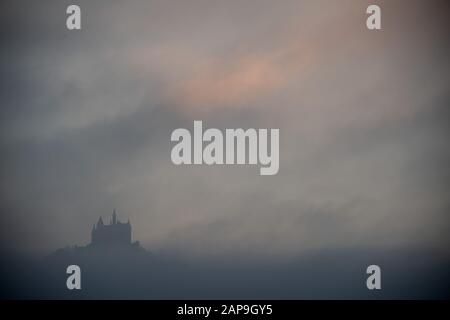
(86, 120)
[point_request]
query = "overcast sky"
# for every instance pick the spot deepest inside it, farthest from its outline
(86, 118)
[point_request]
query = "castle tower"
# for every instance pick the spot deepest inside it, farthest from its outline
(114, 217)
(111, 234)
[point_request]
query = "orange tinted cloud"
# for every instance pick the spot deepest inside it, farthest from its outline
(239, 82)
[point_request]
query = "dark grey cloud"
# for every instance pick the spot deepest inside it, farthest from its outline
(86, 119)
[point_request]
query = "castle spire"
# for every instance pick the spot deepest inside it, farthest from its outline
(100, 222)
(114, 217)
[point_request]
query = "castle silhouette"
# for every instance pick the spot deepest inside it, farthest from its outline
(111, 241)
(115, 233)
